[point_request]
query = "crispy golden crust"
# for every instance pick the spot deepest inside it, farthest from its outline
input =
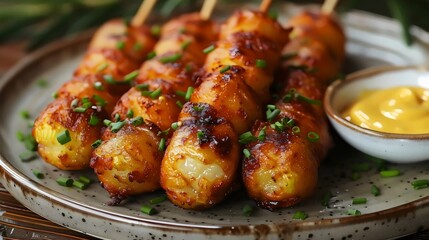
(202, 159)
(105, 57)
(184, 39)
(282, 169)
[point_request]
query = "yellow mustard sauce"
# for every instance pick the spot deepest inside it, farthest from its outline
(392, 110)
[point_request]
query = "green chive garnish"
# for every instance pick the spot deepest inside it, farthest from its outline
(96, 143)
(42, 83)
(137, 121)
(159, 199)
(79, 109)
(151, 55)
(155, 30)
(25, 114)
(272, 114)
(176, 125)
(38, 174)
(313, 136)
(359, 201)
(131, 76)
(271, 106)
(66, 182)
(180, 93)
(117, 117)
(260, 63)
(188, 93)
(142, 87)
(148, 210)
(80, 185)
(375, 190)
(85, 180)
(261, 135)
(179, 104)
(109, 79)
(116, 126)
(188, 67)
(353, 212)
(156, 93)
(246, 138)
(420, 184)
(120, 45)
(98, 86)
(326, 198)
(137, 46)
(27, 156)
(300, 215)
(287, 97)
(130, 113)
(171, 58)
(161, 146)
(355, 176)
(99, 101)
(390, 173)
(225, 68)
(107, 122)
(246, 153)
(308, 100)
(247, 210)
(273, 15)
(93, 120)
(200, 134)
(55, 95)
(20, 136)
(209, 49)
(102, 67)
(63, 137)
(30, 143)
(186, 44)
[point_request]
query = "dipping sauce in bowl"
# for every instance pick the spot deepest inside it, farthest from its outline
(402, 109)
(383, 112)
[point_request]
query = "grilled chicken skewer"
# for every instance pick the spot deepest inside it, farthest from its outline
(69, 125)
(202, 160)
(280, 168)
(128, 161)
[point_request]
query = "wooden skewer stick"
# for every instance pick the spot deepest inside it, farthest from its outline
(207, 9)
(329, 6)
(265, 5)
(143, 12)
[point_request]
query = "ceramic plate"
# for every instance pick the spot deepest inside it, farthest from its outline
(399, 210)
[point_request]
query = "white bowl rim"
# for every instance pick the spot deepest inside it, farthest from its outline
(335, 86)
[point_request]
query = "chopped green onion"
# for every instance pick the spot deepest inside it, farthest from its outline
(359, 201)
(326, 198)
(96, 143)
(107, 122)
(271, 107)
(313, 136)
(30, 143)
(137, 121)
(273, 15)
(308, 100)
(142, 87)
(290, 122)
(156, 93)
(158, 199)
(98, 86)
(85, 180)
(179, 104)
(25, 114)
(420, 184)
(171, 58)
(38, 174)
(151, 55)
(272, 114)
(246, 153)
(93, 120)
(186, 44)
(198, 108)
(161, 146)
(225, 68)
(80, 185)
(353, 212)
(262, 134)
(300, 215)
(164, 133)
(147, 210)
(246, 138)
(176, 125)
(287, 97)
(130, 113)
(188, 67)
(209, 49)
(63, 137)
(296, 129)
(120, 45)
(137, 46)
(247, 210)
(66, 182)
(27, 156)
(361, 167)
(102, 67)
(79, 109)
(116, 126)
(99, 101)
(117, 117)
(20, 136)
(390, 173)
(109, 79)
(131, 76)
(42, 83)
(355, 176)
(155, 30)
(180, 93)
(189, 93)
(55, 95)
(375, 190)
(200, 134)
(260, 63)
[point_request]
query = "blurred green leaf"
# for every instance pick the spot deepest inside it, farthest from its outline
(399, 11)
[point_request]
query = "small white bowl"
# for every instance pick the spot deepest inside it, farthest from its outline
(393, 147)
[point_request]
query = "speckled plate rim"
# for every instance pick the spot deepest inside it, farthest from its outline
(10, 175)
(356, 76)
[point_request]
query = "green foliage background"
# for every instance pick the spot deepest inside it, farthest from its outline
(42, 21)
